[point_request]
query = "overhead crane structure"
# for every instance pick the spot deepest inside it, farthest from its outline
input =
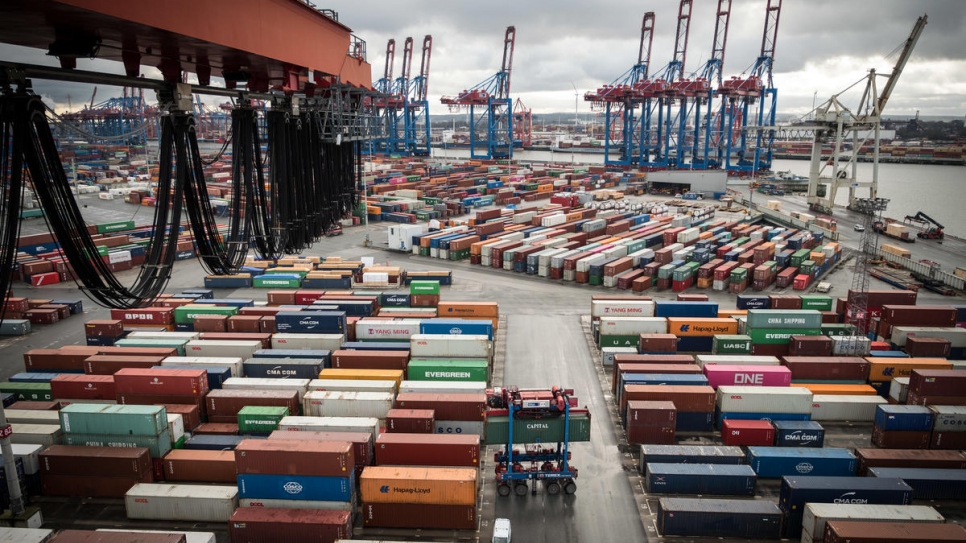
(416, 124)
(315, 126)
(673, 100)
(490, 108)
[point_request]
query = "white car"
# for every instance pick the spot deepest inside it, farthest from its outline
(859, 228)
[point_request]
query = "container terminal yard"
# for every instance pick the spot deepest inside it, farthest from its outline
(323, 337)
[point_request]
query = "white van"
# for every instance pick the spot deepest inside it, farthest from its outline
(501, 530)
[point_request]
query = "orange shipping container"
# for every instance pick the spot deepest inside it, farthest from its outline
(837, 389)
(468, 309)
(363, 375)
(886, 369)
(724, 313)
(691, 327)
(424, 485)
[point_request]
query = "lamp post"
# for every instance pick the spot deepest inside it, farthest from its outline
(575, 121)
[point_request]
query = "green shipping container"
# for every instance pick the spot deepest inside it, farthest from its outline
(731, 344)
(784, 318)
(260, 419)
(779, 336)
(186, 314)
(136, 420)
(270, 281)
(468, 369)
(30, 392)
(818, 303)
(158, 445)
(177, 344)
(424, 287)
(546, 431)
(596, 280)
(838, 329)
(110, 227)
(178, 444)
(620, 341)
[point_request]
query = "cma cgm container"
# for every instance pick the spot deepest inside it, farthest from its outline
(424, 485)
(798, 433)
(181, 502)
(284, 368)
(695, 517)
(774, 462)
(690, 454)
(717, 479)
(264, 525)
(817, 514)
(796, 491)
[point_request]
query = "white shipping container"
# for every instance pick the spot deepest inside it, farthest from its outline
(352, 385)
(396, 330)
(754, 399)
(720, 284)
(161, 334)
(674, 247)
(607, 354)
(621, 308)
(949, 418)
(401, 236)
(293, 504)
(683, 254)
(553, 220)
(533, 238)
(202, 503)
(556, 261)
(736, 359)
(36, 434)
(264, 383)
(681, 220)
(328, 342)
(449, 346)
(30, 454)
(326, 403)
(584, 264)
(851, 346)
(330, 424)
(443, 387)
(845, 407)
(628, 326)
(190, 537)
(222, 347)
(544, 257)
(689, 235)
(899, 389)
(956, 336)
(24, 535)
(636, 256)
(31, 416)
(469, 427)
(175, 427)
(524, 218)
(817, 514)
(234, 363)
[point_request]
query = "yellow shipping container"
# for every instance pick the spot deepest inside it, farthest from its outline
(424, 485)
(363, 375)
(837, 389)
(894, 250)
(468, 309)
(692, 327)
(886, 369)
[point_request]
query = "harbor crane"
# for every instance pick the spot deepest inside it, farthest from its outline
(749, 139)
(416, 124)
(522, 124)
(674, 126)
(388, 104)
(849, 131)
(625, 135)
(491, 98)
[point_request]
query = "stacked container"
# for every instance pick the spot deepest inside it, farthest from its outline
(818, 514)
(902, 427)
(454, 413)
(316, 471)
(759, 403)
(419, 497)
(747, 432)
(159, 386)
(200, 503)
(651, 422)
(98, 425)
(104, 332)
(771, 330)
(796, 491)
(260, 420)
(255, 525)
(937, 387)
(105, 472)
(695, 404)
(949, 427)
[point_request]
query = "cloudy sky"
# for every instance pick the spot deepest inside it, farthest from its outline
(823, 47)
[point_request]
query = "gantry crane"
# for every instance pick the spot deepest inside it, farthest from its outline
(623, 133)
(522, 125)
(850, 131)
(673, 129)
(416, 106)
(749, 137)
(387, 104)
(492, 96)
(706, 141)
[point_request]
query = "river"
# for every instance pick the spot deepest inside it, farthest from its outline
(910, 187)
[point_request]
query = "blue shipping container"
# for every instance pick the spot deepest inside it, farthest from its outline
(715, 479)
(793, 433)
(32, 377)
(199, 293)
(888, 354)
(694, 422)
(312, 322)
(685, 309)
(295, 487)
(907, 418)
(797, 491)
(284, 368)
(690, 454)
(753, 301)
(394, 300)
(695, 517)
(928, 484)
(213, 442)
(774, 462)
(474, 327)
(352, 308)
(695, 344)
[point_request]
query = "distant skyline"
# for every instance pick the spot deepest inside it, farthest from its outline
(823, 47)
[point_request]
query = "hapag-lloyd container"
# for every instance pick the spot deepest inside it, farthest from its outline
(347, 385)
(795, 433)
(817, 514)
(380, 330)
(843, 407)
(774, 462)
(80, 418)
(424, 485)
(748, 399)
(428, 450)
(181, 502)
(690, 454)
(296, 487)
(232, 362)
(796, 491)
(362, 450)
(886, 369)
(347, 404)
(695, 517)
(449, 346)
(265, 525)
(621, 308)
(331, 424)
(711, 479)
(736, 359)
(727, 375)
(697, 327)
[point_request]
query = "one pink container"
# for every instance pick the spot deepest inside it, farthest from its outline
(735, 375)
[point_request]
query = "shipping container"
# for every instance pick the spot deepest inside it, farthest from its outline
(319, 458)
(730, 359)
(695, 517)
(843, 531)
(775, 462)
(83, 418)
(797, 490)
(910, 418)
(886, 369)
(740, 375)
(190, 537)
(690, 454)
(831, 368)
(747, 432)
(550, 430)
(793, 433)
(25, 535)
(181, 502)
(841, 407)
(817, 514)
(428, 450)
(296, 487)
(712, 479)
(347, 385)
(456, 369)
(283, 368)
(928, 483)
(200, 466)
(909, 458)
(233, 363)
(266, 525)
(86, 536)
(424, 485)
(331, 424)
(419, 516)
(224, 405)
(447, 346)
(752, 399)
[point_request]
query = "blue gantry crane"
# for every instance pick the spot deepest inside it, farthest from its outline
(750, 135)
(416, 126)
(490, 105)
(706, 142)
(673, 101)
(388, 104)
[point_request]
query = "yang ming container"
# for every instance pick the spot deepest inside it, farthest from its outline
(181, 502)
(695, 517)
(716, 479)
(797, 491)
(774, 462)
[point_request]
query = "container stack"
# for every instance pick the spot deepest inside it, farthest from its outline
(771, 330)
(695, 404)
(256, 525)
(419, 497)
(651, 423)
(158, 387)
(796, 491)
(260, 420)
(762, 402)
(817, 515)
(103, 332)
(902, 427)
(103, 472)
(455, 413)
(425, 293)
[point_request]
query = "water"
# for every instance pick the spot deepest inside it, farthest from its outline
(937, 191)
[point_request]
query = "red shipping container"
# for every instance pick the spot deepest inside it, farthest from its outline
(362, 447)
(88, 486)
(928, 346)
(949, 440)
(216, 429)
(132, 463)
(447, 406)
(198, 466)
(72, 386)
(42, 316)
(267, 325)
(284, 297)
(144, 315)
(900, 439)
(650, 435)
(657, 343)
(210, 323)
(190, 414)
(769, 350)
(692, 298)
(428, 450)
(48, 278)
(914, 398)
(827, 368)
(810, 346)
(104, 328)
(687, 399)
(908, 458)
(919, 315)
(313, 458)
(641, 284)
(938, 382)
(410, 421)
(28, 405)
(656, 414)
(801, 282)
(103, 364)
(244, 324)
(785, 302)
(223, 405)
(161, 382)
(302, 297)
(130, 351)
(413, 515)
(260, 311)
(261, 525)
(370, 360)
(747, 432)
(54, 359)
(160, 399)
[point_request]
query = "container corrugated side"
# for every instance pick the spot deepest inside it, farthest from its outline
(331, 424)
(347, 404)
(695, 517)
(749, 399)
(181, 502)
(190, 537)
(817, 514)
(295, 504)
(427, 485)
(24, 535)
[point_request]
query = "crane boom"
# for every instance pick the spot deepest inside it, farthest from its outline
(676, 67)
(901, 63)
(390, 59)
(509, 39)
(422, 88)
(647, 40)
(407, 60)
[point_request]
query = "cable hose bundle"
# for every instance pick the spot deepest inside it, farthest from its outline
(248, 172)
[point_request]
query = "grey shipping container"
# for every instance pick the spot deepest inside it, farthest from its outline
(718, 479)
(797, 491)
(928, 483)
(694, 517)
(690, 454)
